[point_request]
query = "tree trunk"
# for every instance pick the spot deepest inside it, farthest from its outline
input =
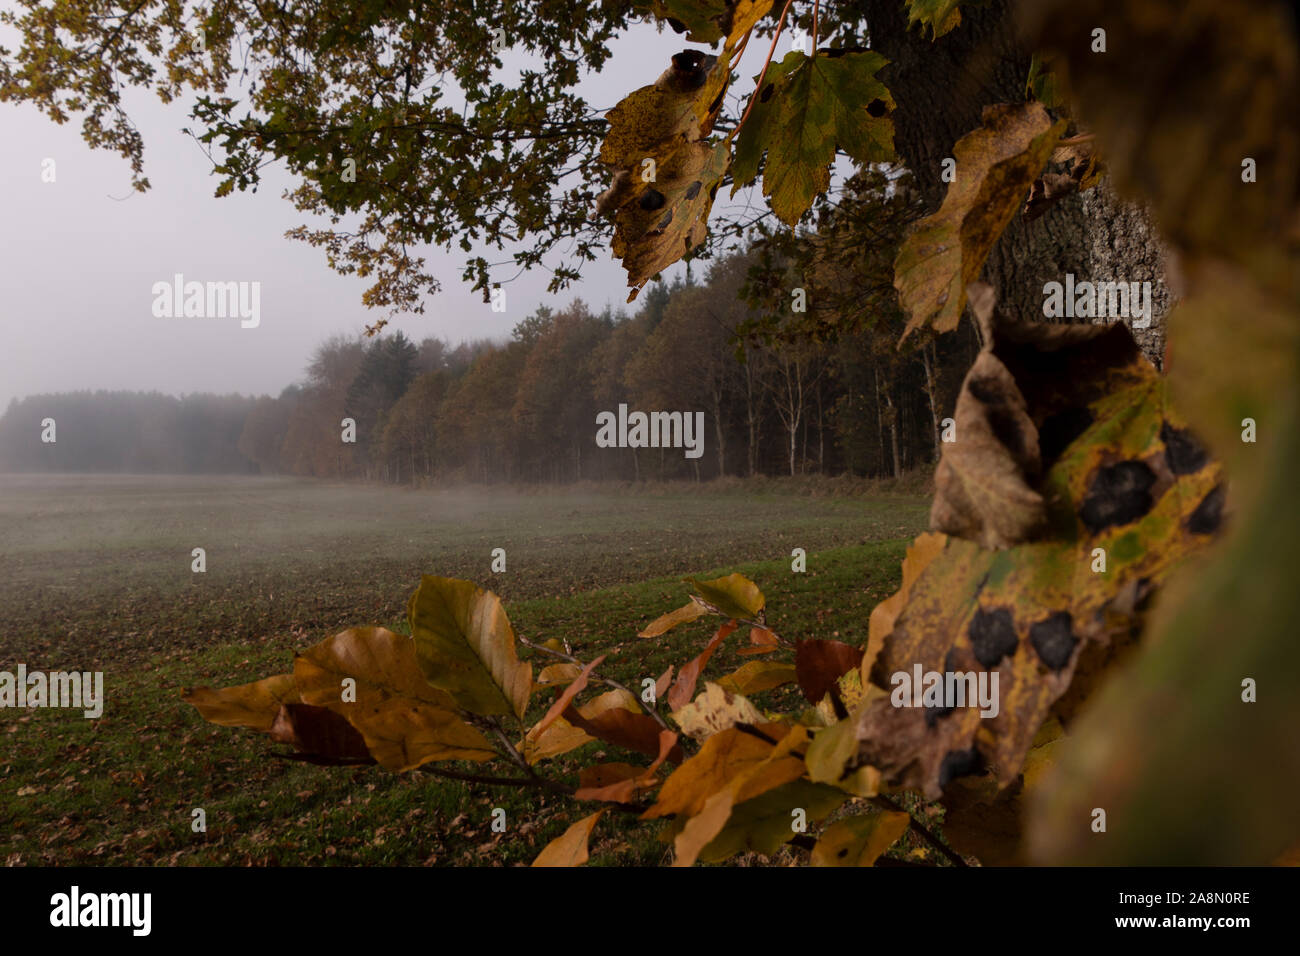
(941, 88)
(930, 394)
(880, 416)
(751, 415)
(718, 431)
(821, 435)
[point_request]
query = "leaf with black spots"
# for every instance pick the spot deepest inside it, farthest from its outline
(1038, 613)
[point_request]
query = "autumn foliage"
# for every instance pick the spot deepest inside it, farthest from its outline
(1075, 491)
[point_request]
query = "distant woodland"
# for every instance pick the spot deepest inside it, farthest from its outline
(790, 350)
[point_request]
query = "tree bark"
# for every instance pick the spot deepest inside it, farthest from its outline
(930, 394)
(941, 88)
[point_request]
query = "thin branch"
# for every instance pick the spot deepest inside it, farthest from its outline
(954, 858)
(780, 25)
(608, 681)
(478, 778)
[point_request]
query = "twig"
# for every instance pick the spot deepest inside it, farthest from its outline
(609, 681)
(780, 25)
(954, 858)
(477, 778)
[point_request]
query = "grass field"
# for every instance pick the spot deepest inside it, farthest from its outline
(95, 574)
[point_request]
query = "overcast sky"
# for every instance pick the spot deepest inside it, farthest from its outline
(78, 261)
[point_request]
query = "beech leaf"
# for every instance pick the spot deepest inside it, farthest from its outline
(465, 645)
(570, 847)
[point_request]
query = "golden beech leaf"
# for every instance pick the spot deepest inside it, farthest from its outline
(701, 828)
(465, 645)
(761, 641)
(570, 847)
(404, 720)
(616, 717)
(566, 696)
(733, 758)
(557, 675)
(718, 797)
(254, 705)
(757, 676)
(859, 841)
(559, 738)
(1129, 494)
(570, 731)
(621, 783)
(665, 623)
(715, 710)
(996, 164)
(684, 686)
(733, 596)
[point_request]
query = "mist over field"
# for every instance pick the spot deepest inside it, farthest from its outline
(95, 566)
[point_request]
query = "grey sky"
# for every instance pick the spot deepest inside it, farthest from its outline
(77, 265)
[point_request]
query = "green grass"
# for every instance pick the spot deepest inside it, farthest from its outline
(120, 790)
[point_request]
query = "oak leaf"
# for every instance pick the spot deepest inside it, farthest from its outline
(808, 108)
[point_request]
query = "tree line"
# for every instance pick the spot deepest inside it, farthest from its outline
(788, 347)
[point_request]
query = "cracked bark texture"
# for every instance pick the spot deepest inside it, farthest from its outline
(941, 88)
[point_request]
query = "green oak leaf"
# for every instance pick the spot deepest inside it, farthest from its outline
(806, 110)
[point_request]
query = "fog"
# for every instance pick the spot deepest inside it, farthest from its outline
(81, 254)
